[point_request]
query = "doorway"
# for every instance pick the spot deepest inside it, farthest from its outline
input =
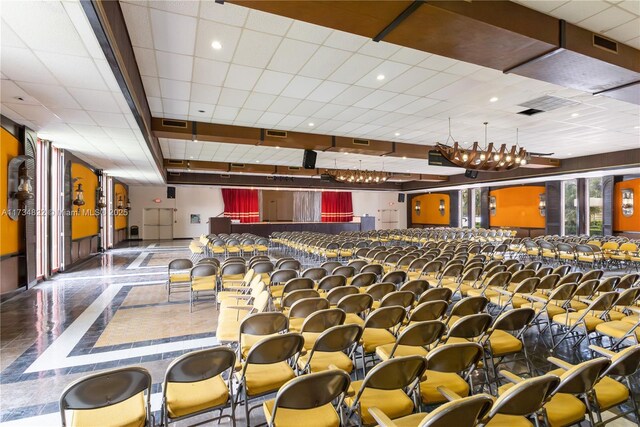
(158, 224)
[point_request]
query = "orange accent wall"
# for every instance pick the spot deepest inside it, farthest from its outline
(10, 230)
(621, 222)
(517, 207)
(120, 218)
(429, 212)
(84, 222)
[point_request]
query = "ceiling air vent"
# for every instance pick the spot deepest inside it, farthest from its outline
(606, 44)
(174, 174)
(546, 103)
(276, 133)
(224, 175)
(270, 178)
(237, 165)
(530, 112)
(360, 142)
(175, 162)
(174, 123)
(294, 168)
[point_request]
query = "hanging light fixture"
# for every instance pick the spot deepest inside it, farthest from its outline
(489, 158)
(358, 176)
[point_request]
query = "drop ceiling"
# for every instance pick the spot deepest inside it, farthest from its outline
(275, 72)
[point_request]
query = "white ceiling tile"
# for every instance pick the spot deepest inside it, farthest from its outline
(208, 72)
(208, 32)
(232, 97)
(107, 75)
(388, 69)
(189, 8)
(374, 99)
(632, 6)
(268, 23)
(22, 64)
(204, 93)
(307, 108)
(272, 82)
(576, 11)
(291, 121)
(226, 13)
(634, 43)
(151, 86)
(291, 55)
(409, 56)
(625, 32)
(109, 119)
(172, 32)
(438, 63)
(155, 105)
(175, 89)
(241, 77)
(432, 84)
(174, 107)
(73, 71)
(270, 119)
(610, 18)
(300, 87)
(327, 91)
(255, 49)
(10, 92)
(461, 68)
(146, 60)
(329, 111)
(95, 100)
(352, 95)
(283, 105)
(248, 116)
(345, 41)
(307, 32)
(355, 68)
(201, 112)
(79, 117)
(417, 105)
(396, 102)
(259, 101)
(381, 49)
(49, 95)
(408, 79)
(8, 38)
(369, 116)
(324, 62)
(138, 25)
(350, 113)
(173, 66)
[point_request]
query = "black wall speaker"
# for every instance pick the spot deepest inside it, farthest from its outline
(471, 174)
(400, 197)
(171, 192)
(309, 159)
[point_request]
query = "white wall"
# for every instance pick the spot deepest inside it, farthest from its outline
(207, 201)
(203, 200)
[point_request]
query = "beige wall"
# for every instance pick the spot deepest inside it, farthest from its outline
(277, 205)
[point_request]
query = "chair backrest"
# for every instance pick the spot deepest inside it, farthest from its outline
(379, 290)
(314, 273)
(281, 276)
(297, 283)
(432, 267)
(582, 377)
(628, 280)
(533, 265)
(627, 297)
(417, 287)
(397, 277)
(330, 266)
(429, 310)
(274, 349)
(402, 298)
(571, 278)
(105, 389)
(200, 365)
(521, 275)
(499, 280)
(336, 294)
(603, 302)
(514, 320)
(469, 305)
(364, 279)
(282, 260)
(459, 412)
(292, 297)
(608, 284)
(454, 270)
(357, 303)
(264, 323)
(233, 268)
(344, 270)
(422, 333)
(562, 270)
(357, 264)
(524, 398)
(542, 272)
(563, 292)
(527, 286)
(385, 317)
(338, 338)
(549, 281)
(625, 363)
(205, 270)
(261, 266)
(472, 326)
(436, 294)
(394, 374)
(322, 320)
(592, 274)
(180, 264)
(304, 307)
(374, 268)
(458, 357)
(311, 391)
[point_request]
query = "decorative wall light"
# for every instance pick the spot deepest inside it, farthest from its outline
(492, 205)
(417, 207)
(627, 201)
(120, 204)
(19, 185)
(542, 204)
(128, 204)
(441, 207)
(79, 197)
(102, 200)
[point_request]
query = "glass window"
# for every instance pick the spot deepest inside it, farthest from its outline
(570, 194)
(464, 217)
(476, 197)
(595, 206)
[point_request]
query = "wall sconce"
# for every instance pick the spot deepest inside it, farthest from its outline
(441, 207)
(102, 201)
(128, 204)
(417, 207)
(79, 199)
(120, 204)
(19, 185)
(492, 205)
(542, 204)
(627, 201)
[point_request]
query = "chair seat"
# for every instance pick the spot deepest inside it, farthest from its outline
(188, 398)
(489, 293)
(610, 393)
(394, 403)
(179, 277)
(373, 338)
(247, 341)
(633, 319)
(276, 291)
(503, 343)
(310, 339)
(502, 420)
(552, 309)
(617, 329)
(322, 416)
(435, 379)
(564, 410)
(572, 318)
(613, 315)
(322, 359)
(295, 324)
(353, 319)
(264, 378)
(203, 283)
(128, 413)
(384, 351)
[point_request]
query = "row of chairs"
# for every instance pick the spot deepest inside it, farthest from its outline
(225, 245)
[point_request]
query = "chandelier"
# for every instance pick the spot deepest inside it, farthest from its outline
(490, 158)
(358, 176)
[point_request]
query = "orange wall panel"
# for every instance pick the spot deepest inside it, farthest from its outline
(84, 222)
(429, 212)
(621, 222)
(517, 207)
(120, 218)
(10, 230)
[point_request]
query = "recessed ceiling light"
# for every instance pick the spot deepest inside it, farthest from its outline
(397, 133)
(311, 124)
(380, 77)
(407, 170)
(277, 147)
(200, 111)
(575, 115)
(345, 153)
(216, 45)
(191, 157)
(568, 154)
(404, 157)
(257, 161)
(493, 99)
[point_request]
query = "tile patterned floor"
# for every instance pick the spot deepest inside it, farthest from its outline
(113, 312)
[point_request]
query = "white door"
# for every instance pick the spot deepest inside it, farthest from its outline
(165, 224)
(151, 220)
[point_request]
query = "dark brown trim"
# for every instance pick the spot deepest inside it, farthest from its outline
(398, 20)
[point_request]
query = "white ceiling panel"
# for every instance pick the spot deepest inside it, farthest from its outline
(255, 49)
(181, 38)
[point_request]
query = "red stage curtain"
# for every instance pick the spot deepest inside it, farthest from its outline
(337, 207)
(241, 204)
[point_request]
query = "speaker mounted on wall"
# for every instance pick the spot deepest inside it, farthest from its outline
(400, 197)
(309, 159)
(171, 192)
(471, 174)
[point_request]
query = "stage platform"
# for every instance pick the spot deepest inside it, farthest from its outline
(265, 229)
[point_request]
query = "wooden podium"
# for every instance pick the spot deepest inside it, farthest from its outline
(219, 225)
